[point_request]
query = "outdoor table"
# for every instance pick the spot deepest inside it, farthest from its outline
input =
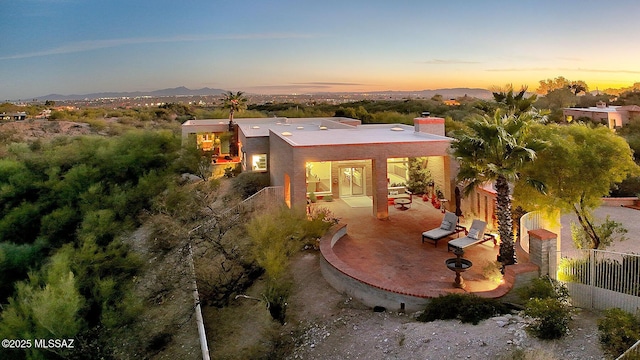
(401, 203)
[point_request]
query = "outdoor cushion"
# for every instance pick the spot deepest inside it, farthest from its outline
(446, 225)
(447, 228)
(474, 236)
(436, 233)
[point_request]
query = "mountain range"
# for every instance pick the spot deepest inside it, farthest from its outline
(183, 91)
(178, 91)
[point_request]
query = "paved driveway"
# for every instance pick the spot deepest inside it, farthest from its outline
(629, 218)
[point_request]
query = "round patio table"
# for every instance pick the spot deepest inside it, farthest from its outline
(401, 203)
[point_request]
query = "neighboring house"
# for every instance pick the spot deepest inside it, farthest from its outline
(334, 156)
(612, 116)
(13, 116)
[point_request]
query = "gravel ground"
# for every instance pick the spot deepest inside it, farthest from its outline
(329, 325)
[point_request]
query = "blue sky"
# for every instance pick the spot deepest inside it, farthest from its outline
(84, 46)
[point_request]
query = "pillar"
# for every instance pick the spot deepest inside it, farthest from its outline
(380, 191)
(543, 251)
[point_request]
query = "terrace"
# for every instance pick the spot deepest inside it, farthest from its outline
(387, 262)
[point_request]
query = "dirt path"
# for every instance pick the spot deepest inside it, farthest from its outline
(332, 326)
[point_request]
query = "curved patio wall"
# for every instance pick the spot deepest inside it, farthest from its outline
(335, 272)
(529, 221)
(367, 294)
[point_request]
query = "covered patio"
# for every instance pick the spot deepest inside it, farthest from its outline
(389, 256)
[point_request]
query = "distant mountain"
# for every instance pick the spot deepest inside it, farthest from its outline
(183, 91)
(459, 92)
(451, 93)
(179, 91)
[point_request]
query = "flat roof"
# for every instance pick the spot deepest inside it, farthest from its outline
(325, 131)
(363, 134)
(597, 109)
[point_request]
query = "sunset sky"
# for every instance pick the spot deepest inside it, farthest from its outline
(279, 47)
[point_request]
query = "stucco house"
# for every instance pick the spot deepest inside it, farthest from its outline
(611, 116)
(332, 156)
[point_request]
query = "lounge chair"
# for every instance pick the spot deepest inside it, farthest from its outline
(475, 236)
(448, 227)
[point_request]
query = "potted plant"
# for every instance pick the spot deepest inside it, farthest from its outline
(312, 197)
(328, 198)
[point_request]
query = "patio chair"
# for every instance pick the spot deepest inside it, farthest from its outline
(448, 227)
(475, 236)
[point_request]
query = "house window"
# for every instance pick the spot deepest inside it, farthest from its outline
(259, 162)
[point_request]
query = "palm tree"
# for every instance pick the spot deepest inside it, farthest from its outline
(494, 149)
(516, 103)
(234, 102)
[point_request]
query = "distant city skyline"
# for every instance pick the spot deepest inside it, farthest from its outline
(282, 47)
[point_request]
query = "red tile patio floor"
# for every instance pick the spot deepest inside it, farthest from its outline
(389, 254)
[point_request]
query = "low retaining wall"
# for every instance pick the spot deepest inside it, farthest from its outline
(622, 201)
(335, 271)
(515, 277)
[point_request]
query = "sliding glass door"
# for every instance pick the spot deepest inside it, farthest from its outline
(352, 181)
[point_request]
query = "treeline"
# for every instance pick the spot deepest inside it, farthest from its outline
(64, 271)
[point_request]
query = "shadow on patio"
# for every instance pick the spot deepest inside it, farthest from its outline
(390, 256)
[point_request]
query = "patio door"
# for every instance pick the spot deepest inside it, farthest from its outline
(352, 181)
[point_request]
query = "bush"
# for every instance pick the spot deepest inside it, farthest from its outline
(468, 308)
(249, 183)
(491, 271)
(544, 288)
(619, 330)
(550, 317)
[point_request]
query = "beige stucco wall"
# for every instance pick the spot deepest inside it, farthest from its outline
(285, 158)
(253, 146)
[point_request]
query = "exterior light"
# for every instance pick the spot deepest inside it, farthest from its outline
(300, 127)
(397, 128)
(286, 133)
(323, 128)
(255, 127)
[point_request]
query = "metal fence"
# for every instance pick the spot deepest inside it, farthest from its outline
(600, 279)
(632, 353)
(265, 197)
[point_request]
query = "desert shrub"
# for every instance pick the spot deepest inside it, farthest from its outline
(544, 288)
(318, 222)
(609, 231)
(249, 183)
(619, 330)
(468, 308)
(491, 271)
(549, 317)
(275, 236)
(277, 293)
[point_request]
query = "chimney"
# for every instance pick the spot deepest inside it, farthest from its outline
(428, 124)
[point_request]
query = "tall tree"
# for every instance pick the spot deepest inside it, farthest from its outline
(578, 167)
(494, 149)
(235, 102)
(549, 85)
